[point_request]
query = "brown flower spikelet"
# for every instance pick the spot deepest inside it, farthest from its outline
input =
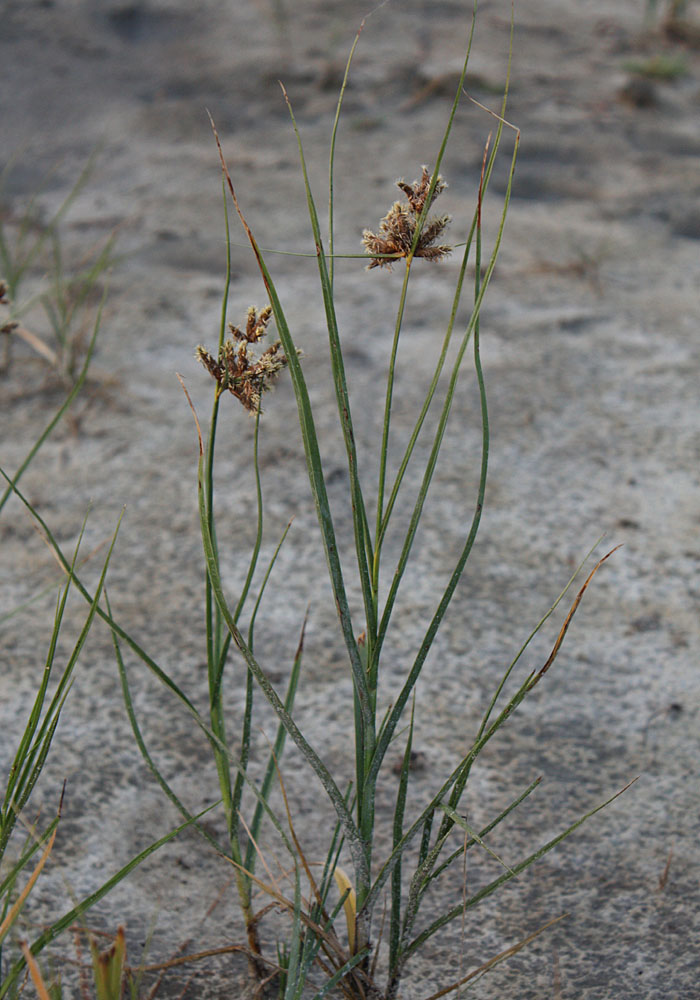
(397, 229)
(237, 369)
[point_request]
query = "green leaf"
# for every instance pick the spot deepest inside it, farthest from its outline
(502, 879)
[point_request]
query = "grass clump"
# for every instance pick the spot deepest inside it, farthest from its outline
(25, 843)
(71, 299)
(670, 9)
(50, 302)
(421, 849)
(664, 67)
(675, 21)
(336, 939)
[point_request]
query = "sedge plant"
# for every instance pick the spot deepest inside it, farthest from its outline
(436, 837)
(423, 844)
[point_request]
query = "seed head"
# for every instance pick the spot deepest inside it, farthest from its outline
(397, 230)
(237, 369)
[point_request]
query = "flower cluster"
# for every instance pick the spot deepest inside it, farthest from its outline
(237, 369)
(397, 230)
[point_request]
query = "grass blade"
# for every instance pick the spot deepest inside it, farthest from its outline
(496, 960)
(482, 833)
(14, 910)
(501, 880)
(290, 725)
(77, 911)
(278, 746)
(79, 382)
(396, 909)
(362, 541)
(388, 729)
(473, 835)
(313, 457)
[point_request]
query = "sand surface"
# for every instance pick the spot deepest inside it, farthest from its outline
(591, 355)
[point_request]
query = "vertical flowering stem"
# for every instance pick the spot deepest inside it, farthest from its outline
(385, 433)
(218, 637)
(414, 244)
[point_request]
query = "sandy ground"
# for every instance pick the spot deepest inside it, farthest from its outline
(590, 340)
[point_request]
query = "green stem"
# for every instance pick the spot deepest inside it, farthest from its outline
(214, 627)
(385, 434)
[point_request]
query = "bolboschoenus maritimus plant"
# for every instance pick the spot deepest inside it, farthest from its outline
(336, 941)
(423, 844)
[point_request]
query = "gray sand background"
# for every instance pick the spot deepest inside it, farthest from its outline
(591, 352)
